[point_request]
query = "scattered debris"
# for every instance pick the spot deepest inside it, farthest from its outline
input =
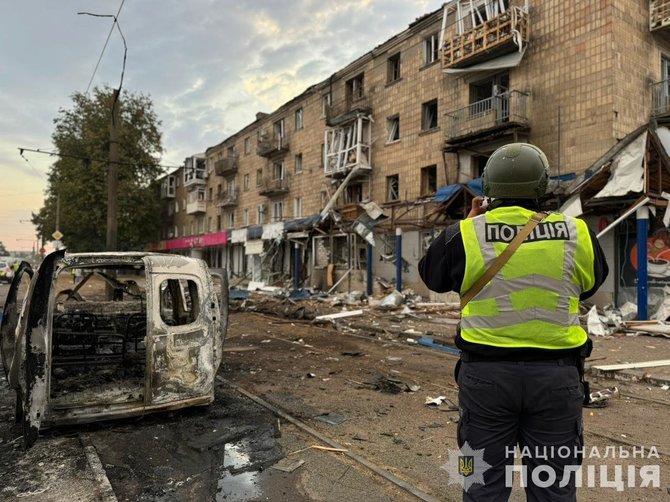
(387, 385)
(437, 344)
(412, 388)
(238, 294)
(603, 395)
(299, 294)
(392, 301)
(339, 315)
(437, 401)
(665, 387)
(288, 465)
(360, 436)
(331, 418)
(352, 353)
(317, 447)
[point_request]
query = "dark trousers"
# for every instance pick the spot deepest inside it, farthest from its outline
(530, 404)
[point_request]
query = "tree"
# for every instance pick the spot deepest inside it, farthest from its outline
(77, 181)
(3, 249)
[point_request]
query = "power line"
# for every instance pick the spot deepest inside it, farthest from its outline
(88, 159)
(109, 35)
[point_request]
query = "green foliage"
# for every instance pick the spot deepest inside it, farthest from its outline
(83, 132)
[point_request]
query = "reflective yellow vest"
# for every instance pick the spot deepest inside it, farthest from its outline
(533, 301)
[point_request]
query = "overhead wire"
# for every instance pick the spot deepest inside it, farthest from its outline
(89, 159)
(109, 35)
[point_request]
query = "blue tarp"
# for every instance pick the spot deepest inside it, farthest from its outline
(447, 192)
(255, 232)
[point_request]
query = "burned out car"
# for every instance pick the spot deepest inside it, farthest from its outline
(110, 335)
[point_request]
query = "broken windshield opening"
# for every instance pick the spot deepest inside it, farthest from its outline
(99, 324)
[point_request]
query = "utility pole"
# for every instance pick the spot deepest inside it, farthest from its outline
(113, 184)
(57, 219)
(113, 174)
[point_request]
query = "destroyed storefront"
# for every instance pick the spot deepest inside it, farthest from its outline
(624, 196)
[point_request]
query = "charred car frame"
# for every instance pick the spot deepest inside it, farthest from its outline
(110, 335)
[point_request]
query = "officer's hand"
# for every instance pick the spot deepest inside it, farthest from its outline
(476, 208)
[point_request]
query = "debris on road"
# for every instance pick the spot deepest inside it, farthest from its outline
(339, 315)
(287, 465)
(331, 418)
(631, 366)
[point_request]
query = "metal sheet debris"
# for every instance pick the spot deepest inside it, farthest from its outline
(288, 465)
(632, 366)
(339, 315)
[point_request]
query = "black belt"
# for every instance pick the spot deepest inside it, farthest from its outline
(563, 361)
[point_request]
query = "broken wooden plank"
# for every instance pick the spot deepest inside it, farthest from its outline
(632, 366)
(329, 317)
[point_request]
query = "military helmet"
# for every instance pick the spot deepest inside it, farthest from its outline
(516, 171)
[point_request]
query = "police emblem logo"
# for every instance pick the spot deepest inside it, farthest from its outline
(466, 465)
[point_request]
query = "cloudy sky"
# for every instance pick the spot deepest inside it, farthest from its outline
(208, 65)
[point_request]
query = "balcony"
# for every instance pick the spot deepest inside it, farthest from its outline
(505, 33)
(347, 110)
(226, 166)
(506, 111)
(271, 187)
(195, 207)
(272, 146)
(659, 15)
(660, 98)
(227, 199)
(348, 146)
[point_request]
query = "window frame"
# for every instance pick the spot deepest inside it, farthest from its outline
(393, 128)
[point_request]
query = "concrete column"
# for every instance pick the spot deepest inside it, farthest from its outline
(398, 258)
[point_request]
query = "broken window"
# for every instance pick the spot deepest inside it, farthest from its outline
(247, 146)
(278, 129)
(431, 48)
(354, 88)
(392, 188)
(278, 171)
(299, 115)
(393, 128)
(478, 163)
(340, 251)
(297, 207)
(393, 68)
(428, 180)
(98, 348)
(353, 193)
(278, 211)
(326, 101)
(298, 164)
(179, 302)
(429, 115)
(489, 94)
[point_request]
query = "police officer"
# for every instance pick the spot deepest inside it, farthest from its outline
(520, 336)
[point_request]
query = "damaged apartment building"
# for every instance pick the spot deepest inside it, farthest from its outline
(317, 193)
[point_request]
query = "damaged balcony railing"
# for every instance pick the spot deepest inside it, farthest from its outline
(659, 14)
(494, 37)
(660, 98)
(274, 186)
(487, 114)
(269, 146)
(227, 199)
(347, 109)
(225, 166)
